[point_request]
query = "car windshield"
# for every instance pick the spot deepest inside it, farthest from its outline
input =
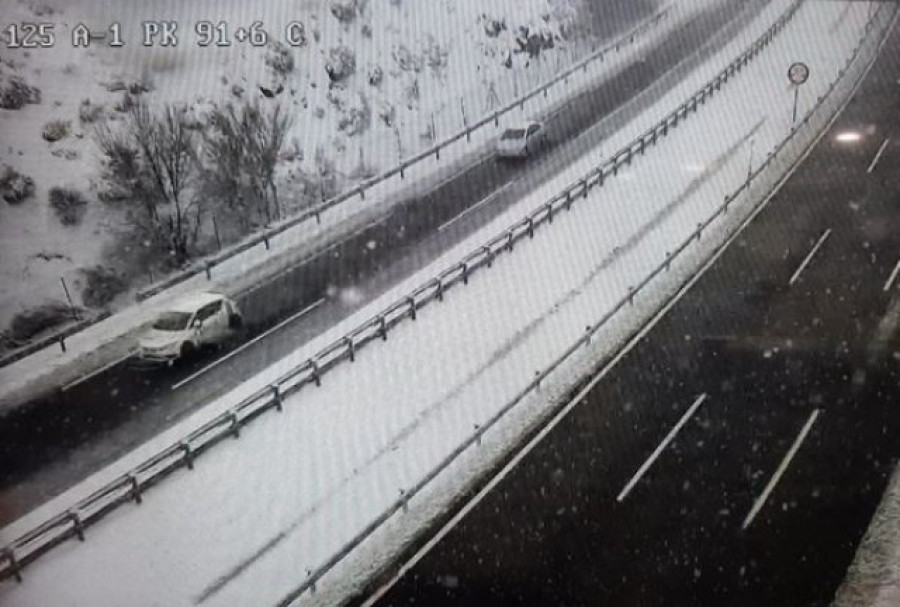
(513, 134)
(172, 321)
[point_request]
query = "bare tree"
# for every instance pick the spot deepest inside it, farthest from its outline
(153, 162)
(242, 148)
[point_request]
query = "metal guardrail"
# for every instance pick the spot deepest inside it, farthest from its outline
(402, 503)
(131, 486)
(315, 212)
(55, 337)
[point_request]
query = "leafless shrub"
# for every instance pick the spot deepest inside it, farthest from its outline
(14, 186)
(344, 11)
(280, 59)
(102, 285)
(341, 63)
(56, 130)
(68, 204)
(15, 93)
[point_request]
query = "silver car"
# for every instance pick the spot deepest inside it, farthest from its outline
(522, 140)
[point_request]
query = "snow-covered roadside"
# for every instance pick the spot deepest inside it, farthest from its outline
(334, 444)
(874, 577)
(111, 339)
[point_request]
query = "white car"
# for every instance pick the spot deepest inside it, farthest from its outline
(521, 140)
(195, 321)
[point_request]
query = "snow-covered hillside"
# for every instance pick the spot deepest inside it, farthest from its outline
(370, 81)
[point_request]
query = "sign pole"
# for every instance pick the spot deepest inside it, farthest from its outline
(796, 99)
(798, 74)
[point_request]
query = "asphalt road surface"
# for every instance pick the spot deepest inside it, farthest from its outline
(735, 456)
(47, 446)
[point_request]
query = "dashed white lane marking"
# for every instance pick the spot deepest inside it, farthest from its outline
(662, 446)
(878, 155)
(892, 278)
(97, 372)
(475, 206)
(809, 257)
(782, 468)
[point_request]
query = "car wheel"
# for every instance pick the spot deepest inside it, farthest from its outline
(236, 322)
(188, 349)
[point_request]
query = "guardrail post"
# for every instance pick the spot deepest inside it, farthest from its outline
(266, 240)
(188, 455)
(668, 260)
(316, 376)
(10, 557)
(550, 212)
(699, 230)
(77, 525)
(631, 296)
(235, 424)
(135, 488)
(351, 347)
(440, 289)
(478, 434)
(727, 202)
(62, 343)
(510, 240)
(411, 302)
(402, 169)
(208, 269)
(531, 225)
(276, 397)
(382, 328)
(465, 272)
(404, 500)
(489, 253)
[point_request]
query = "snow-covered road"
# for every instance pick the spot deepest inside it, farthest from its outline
(253, 517)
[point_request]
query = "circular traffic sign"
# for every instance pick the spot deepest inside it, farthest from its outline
(798, 73)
